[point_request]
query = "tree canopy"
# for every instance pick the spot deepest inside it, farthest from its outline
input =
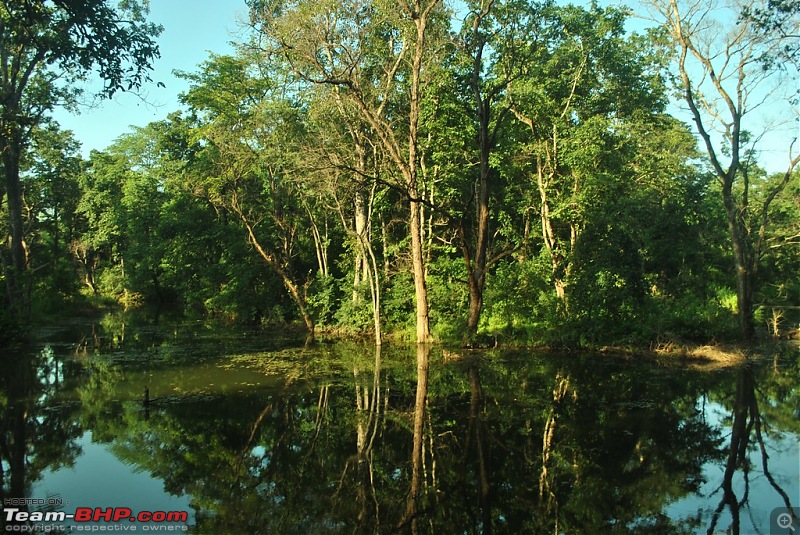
(497, 171)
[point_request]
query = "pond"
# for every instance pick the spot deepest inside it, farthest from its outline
(215, 430)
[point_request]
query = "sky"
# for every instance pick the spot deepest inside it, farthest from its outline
(192, 28)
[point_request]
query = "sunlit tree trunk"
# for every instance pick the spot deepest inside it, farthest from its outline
(366, 265)
(418, 269)
(419, 14)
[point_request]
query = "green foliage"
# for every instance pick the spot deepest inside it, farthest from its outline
(398, 302)
(519, 301)
(449, 297)
(323, 299)
(354, 315)
(48, 49)
(542, 128)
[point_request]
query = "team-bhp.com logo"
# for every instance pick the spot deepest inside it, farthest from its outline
(93, 519)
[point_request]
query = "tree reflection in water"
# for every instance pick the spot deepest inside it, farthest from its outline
(37, 431)
(342, 438)
(746, 425)
(417, 460)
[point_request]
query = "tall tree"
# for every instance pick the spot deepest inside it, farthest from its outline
(346, 165)
(45, 47)
(51, 170)
(492, 56)
(726, 71)
(374, 54)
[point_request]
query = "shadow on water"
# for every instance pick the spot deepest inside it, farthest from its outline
(261, 434)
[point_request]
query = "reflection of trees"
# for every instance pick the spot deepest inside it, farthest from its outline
(413, 504)
(491, 445)
(568, 447)
(475, 460)
(273, 461)
(546, 490)
(370, 399)
(36, 433)
(746, 424)
(627, 442)
(477, 434)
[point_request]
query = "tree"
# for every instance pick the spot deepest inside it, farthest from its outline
(100, 207)
(250, 132)
(493, 56)
(345, 164)
(776, 16)
(45, 48)
(50, 176)
(374, 54)
(725, 71)
(588, 81)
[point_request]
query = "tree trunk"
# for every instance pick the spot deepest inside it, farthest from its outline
(360, 224)
(15, 282)
(410, 174)
(744, 266)
(418, 267)
(366, 266)
(293, 288)
(477, 273)
(299, 299)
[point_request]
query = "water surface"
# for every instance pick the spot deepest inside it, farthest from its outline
(251, 432)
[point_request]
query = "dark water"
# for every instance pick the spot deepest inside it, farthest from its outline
(254, 433)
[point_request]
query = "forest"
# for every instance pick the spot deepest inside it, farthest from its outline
(488, 171)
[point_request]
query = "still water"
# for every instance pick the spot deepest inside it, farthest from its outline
(251, 432)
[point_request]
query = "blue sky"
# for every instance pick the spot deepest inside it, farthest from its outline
(192, 28)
